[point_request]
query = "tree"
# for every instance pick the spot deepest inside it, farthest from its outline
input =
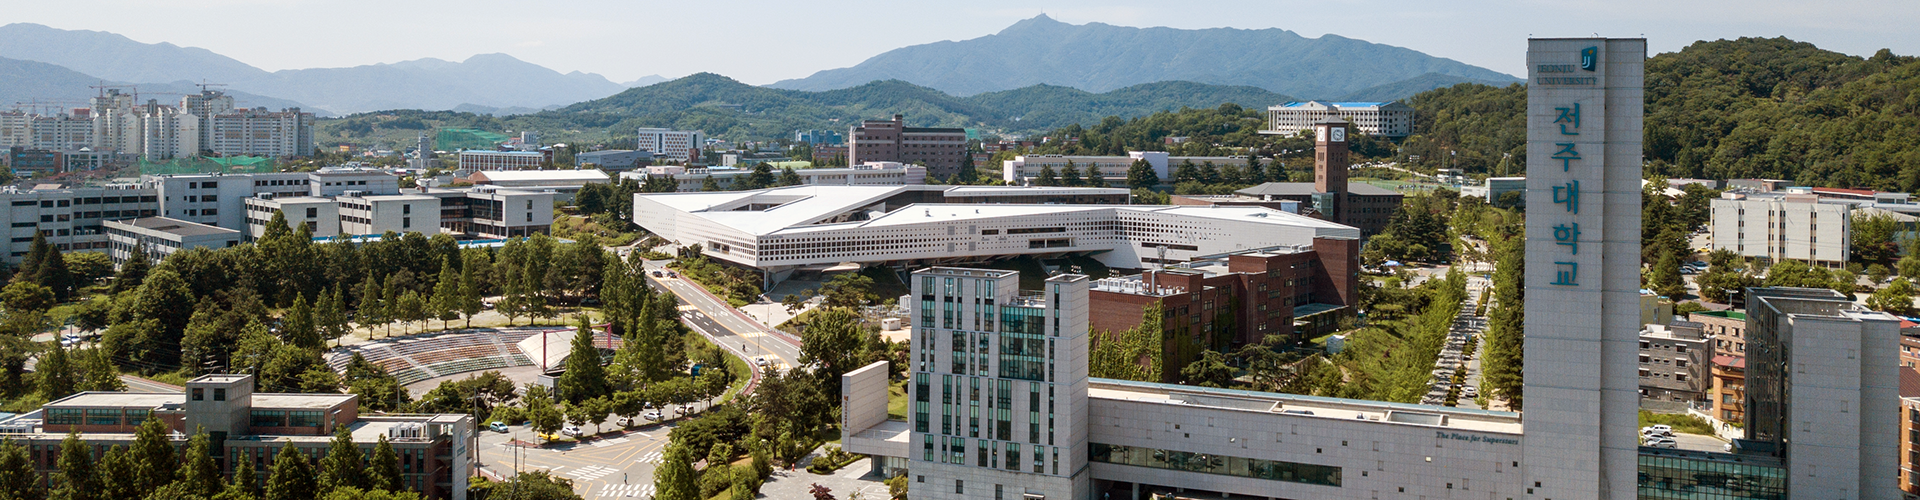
(1255, 174)
(761, 176)
(299, 328)
(29, 298)
(54, 275)
(331, 315)
(152, 455)
(709, 184)
(89, 267)
(470, 292)
(528, 485)
(117, 474)
(56, 373)
(411, 308)
(1070, 175)
(1895, 298)
(37, 251)
(833, 339)
(371, 309)
(292, 477)
(344, 466)
(1140, 175)
(244, 485)
(1047, 177)
(383, 470)
(445, 305)
(1210, 370)
(1665, 278)
(18, 481)
(788, 177)
(77, 479)
(968, 174)
(675, 479)
(94, 371)
(201, 476)
(848, 290)
(541, 414)
(133, 271)
(585, 378)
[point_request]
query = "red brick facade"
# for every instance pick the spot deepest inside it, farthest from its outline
(939, 149)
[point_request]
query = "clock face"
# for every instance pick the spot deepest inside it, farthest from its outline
(1338, 135)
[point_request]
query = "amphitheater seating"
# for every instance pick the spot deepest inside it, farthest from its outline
(414, 359)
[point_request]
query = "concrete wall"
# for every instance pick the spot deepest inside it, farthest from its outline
(863, 398)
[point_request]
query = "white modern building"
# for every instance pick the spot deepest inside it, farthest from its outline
(162, 236)
(364, 214)
(877, 173)
(70, 219)
(480, 161)
(1112, 170)
(540, 178)
(1773, 227)
(1823, 392)
(320, 215)
(786, 228)
(1380, 119)
(679, 145)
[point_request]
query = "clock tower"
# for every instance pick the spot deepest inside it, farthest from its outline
(1330, 167)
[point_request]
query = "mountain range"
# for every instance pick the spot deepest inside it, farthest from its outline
(1099, 57)
(483, 81)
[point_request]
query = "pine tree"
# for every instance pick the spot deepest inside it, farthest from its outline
(77, 479)
(245, 484)
(968, 174)
(585, 378)
(300, 329)
(675, 479)
(445, 305)
(292, 477)
(389, 306)
(152, 456)
(56, 373)
(117, 475)
(1256, 174)
(370, 310)
(410, 308)
(29, 269)
(469, 294)
(383, 470)
(1047, 177)
(709, 184)
(788, 177)
(133, 271)
(331, 315)
(1070, 176)
(18, 481)
(344, 466)
(201, 475)
(54, 275)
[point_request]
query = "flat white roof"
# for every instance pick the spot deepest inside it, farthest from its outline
(543, 175)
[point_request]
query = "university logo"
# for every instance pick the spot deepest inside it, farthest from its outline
(1589, 58)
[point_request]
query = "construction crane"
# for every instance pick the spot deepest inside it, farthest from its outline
(203, 85)
(40, 106)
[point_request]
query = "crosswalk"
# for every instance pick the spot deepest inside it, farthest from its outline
(591, 472)
(626, 491)
(652, 458)
(609, 442)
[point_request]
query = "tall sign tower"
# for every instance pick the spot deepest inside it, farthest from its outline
(1330, 168)
(1584, 114)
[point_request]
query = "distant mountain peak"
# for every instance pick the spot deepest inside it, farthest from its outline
(1098, 57)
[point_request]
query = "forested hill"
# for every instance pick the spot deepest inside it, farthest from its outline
(726, 108)
(1752, 107)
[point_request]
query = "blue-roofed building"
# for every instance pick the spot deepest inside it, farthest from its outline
(1378, 119)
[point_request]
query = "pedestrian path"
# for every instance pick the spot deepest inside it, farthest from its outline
(609, 442)
(626, 491)
(652, 458)
(591, 472)
(1452, 356)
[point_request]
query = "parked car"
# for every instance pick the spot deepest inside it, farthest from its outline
(652, 415)
(1660, 442)
(1656, 431)
(498, 426)
(571, 430)
(624, 421)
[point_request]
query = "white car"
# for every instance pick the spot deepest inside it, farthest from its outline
(1659, 442)
(760, 361)
(652, 415)
(571, 430)
(1657, 430)
(624, 421)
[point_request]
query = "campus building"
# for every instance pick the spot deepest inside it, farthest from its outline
(478, 161)
(69, 219)
(1772, 227)
(1379, 119)
(1823, 386)
(783, 229)
(939, 149)
(1364, 206)
(678, 145)
(435, 451)
(879, 173)
(614, 160)
(162, 236)
(1673, 366)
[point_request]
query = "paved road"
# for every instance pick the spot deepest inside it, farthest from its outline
(735, 329)
(615, 465)
(137, 384)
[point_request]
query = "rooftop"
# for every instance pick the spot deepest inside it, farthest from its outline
(173, 226)
(95, 399)
(1309, 406)
(304, 401)
(594, 175)
(1306, 188)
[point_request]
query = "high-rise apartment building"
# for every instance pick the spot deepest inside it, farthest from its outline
(116, 122)
(62, 132)
(168, 132)
(999, 388)
(258, 132)
(204, 106)
(680, 145)
(941, 150)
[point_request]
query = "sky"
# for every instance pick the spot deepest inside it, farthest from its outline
(767, 41)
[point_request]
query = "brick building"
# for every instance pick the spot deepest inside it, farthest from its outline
(1727, 329)
(1224, 302)
(1729, 391)
(939, 149)
(435, 453)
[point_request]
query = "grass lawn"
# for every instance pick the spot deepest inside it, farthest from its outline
(1688, 424)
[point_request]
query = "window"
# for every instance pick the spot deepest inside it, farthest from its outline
(199, 393)
(406, 209)
(960, 486)
(267, 418)
(406, 222)
(219, 394)
(313, 212)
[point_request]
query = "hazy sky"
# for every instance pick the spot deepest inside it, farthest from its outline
(762, 42)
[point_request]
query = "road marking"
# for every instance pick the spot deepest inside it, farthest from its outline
(592, 472)
(609, 442)
(643, 434)
(651, 458)
(626, 491)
